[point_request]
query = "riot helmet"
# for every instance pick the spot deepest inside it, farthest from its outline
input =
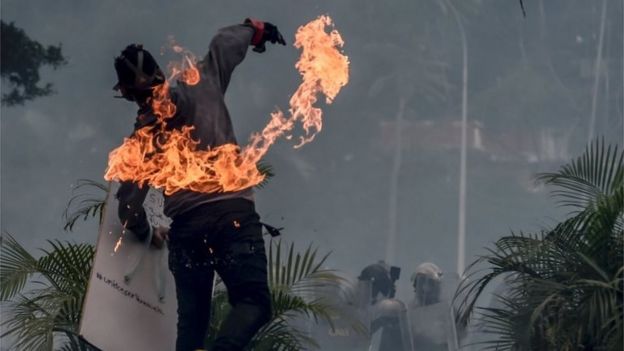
(382, 278)
(427, 281)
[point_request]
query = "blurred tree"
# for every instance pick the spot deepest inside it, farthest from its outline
(21, 59)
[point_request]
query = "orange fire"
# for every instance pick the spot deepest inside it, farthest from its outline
(172, 161)
(186, 69)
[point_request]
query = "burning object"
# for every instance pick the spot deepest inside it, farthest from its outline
(170, 159)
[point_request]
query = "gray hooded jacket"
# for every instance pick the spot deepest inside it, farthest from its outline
(202, 106)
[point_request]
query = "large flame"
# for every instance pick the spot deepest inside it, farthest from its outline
(171, 160)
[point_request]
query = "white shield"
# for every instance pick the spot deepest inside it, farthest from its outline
(130, 302)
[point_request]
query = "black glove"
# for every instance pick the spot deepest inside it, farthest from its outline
(270, 33)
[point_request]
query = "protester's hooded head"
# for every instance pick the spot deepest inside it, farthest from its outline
(137, 73)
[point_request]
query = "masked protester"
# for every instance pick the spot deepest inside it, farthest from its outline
(209, 231)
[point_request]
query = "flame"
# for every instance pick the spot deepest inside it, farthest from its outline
(170, 159)
(324, 69)
(186, 69)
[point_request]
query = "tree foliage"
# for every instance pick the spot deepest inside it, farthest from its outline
(47, 314)
(84, 204)
(563, 286)
(22, 58)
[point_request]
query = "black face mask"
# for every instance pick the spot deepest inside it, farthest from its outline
(124, 93)
(133, 94)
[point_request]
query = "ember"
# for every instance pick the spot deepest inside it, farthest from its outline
(119, 241)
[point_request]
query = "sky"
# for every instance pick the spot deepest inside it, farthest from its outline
(531, 93)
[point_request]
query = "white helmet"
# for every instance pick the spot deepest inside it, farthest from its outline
(427, 281)
(428, 269)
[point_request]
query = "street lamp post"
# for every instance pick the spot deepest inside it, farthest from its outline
(461, 225)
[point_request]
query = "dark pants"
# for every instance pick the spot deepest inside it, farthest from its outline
(225, 237)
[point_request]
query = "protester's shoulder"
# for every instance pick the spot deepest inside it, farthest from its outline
(182, 96)
(144, 119)
(176, 93)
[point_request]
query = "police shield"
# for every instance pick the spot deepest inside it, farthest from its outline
(433, 327)
(431, 317)
(390, 326)
(340, 335)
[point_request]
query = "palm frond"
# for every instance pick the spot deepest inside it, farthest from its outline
(598, 172)
(267, 171)
(294, 279)
(84, 204)
(30, 325)
(16, 266)
(68, 265)
(36, 320)
(564, 285)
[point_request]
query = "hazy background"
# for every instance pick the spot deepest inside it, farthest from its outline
(530, 89)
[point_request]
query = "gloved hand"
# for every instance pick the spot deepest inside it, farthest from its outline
(159, 236)
(265, 31)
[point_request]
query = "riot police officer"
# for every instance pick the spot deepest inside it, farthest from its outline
(432, 322)
(388, 327)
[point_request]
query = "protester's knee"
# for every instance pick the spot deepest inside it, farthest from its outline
(259, 313)
(265, 313)
(262, 305)
(257, 298)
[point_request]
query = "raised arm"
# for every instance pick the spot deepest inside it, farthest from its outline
(229, 47)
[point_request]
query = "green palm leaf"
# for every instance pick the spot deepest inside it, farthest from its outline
(596, 173)
(291, 276)
(39, 318)
(84, 204)
(16, 266)
(267, 171)
(565, 284)
(294, 281)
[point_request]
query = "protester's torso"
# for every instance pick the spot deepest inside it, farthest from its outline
(203, 107)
